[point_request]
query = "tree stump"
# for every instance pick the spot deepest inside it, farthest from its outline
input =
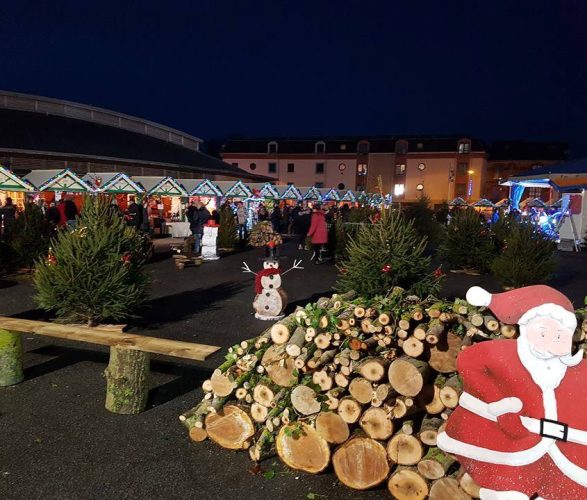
(361, 463)
(10, 358)
(127, 381)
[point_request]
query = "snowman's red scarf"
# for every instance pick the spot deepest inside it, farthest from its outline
(261, 274)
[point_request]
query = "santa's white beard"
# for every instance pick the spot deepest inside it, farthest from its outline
(547, 370)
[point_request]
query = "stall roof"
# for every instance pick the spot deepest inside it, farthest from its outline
(163, 186)
(234, 189)
(484, 203)
(329, 194)
(57, 180)
(348, 196)
(535, 203)
(113, 182)
(11, 182)
(573, 167)
(263, 189)
(458, 202)
(290, 192)
(311, 193)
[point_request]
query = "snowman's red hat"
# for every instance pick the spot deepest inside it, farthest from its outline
(523, 304)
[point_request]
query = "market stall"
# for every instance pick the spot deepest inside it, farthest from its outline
(12, 186)
(290, 193)
(348, 197)
(311, 194)
(206, 192)
(165, 204)
(329, 196)
(116, 184)
(53, 185)
(484, 207)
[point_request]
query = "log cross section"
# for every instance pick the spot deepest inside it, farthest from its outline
(176, 348)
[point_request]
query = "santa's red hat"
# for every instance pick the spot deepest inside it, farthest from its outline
(523, 304)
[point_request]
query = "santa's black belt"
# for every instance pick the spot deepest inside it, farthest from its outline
(554, 430)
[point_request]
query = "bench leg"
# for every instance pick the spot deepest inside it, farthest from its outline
(127, 381)
(10, 358)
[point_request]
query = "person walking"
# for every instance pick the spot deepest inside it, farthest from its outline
(71, 212)
(241, 220)
(262, 213)
(7, 217)
(302, 225)
(134, 214)
(276, 218)
(318, 231)
(199, 218)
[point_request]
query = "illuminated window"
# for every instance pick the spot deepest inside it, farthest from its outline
(464, 146)
(400, 168)
(399, 189)
(362, 169)
(343, 147)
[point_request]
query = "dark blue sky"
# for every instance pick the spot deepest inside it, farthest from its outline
(494, 69)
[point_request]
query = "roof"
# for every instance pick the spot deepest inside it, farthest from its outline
(57, 180)
(525, 150)
(11, 182)
(113, 182)
(166, 186)
(31, 132)
(342, 145)
(576, 167)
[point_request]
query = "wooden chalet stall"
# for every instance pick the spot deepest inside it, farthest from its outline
(12, 186)
(166, 202)
(329, 196)
(116, 184)
(311, 194)
(289, 193)
(204, 191)
(53, 185)
(347, 197)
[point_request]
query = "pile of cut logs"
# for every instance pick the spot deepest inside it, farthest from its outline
(263, 233)
(364, 385)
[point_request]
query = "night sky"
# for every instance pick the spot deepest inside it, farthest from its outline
(491, 69)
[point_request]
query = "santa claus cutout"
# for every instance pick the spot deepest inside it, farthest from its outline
(520, 429)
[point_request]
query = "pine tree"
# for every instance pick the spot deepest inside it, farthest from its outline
(94, 272)
(424, 220)
(227, 230)
(384, 255)
(467, 242)
(29, 236)
(527, 256)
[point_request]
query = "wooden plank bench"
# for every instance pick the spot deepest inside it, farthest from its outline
(128, 368)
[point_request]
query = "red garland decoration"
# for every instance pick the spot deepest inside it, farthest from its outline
(51, 260)
(126, 258)
(438, 272)
(386, 268)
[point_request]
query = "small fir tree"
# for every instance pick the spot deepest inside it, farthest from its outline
(467, 242)
(386, 254)
(29, 237)
(424, 220)
(527, 257)
(94, 272)
(227, 231)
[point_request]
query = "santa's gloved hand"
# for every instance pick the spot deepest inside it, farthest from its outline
(511, 425)
(505, 405)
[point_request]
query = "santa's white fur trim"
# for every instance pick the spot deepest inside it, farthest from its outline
(568, 468)
(549, 310)
(477, 296)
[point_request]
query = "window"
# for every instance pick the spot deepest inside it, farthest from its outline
(462, 168)
(273, 168)
(464, 146)
(341, 185)
(272, 147)
(291, 167)
(253, 166)
(319, 184)
(461, 189)
(319, 168)
(320, 147)
(399, 189)
(420, 146)
(400, 168)
(362, 169)
(401, 147)
(363, 148)
(343, 147)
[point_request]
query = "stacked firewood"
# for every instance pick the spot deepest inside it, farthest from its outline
(364, 385)
(262, 234)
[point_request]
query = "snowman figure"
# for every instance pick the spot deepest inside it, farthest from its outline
(270, 299)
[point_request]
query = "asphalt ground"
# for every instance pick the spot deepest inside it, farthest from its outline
(58, 442)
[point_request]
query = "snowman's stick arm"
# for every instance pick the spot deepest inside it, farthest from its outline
(296, 265)
(247, 269)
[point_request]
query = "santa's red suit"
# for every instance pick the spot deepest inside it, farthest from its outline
(535, 444)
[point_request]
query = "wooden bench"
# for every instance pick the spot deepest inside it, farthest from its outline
(127, 373)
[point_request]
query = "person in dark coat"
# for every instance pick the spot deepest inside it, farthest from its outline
(302, 225)
(7, 216)
(199, 218)
(134, 214)
(70, 212)
(189, 213)
(53, 215)
(276, 219)
(262, 213)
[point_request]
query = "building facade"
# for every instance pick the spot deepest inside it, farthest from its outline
(440, 168)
